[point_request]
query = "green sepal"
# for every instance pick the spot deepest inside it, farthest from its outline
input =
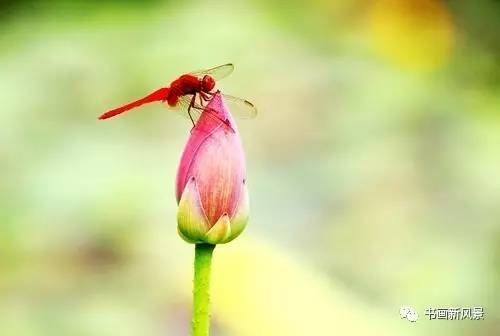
(220, 232)
(192, 223)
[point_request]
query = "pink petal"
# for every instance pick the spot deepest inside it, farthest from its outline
(214, 157)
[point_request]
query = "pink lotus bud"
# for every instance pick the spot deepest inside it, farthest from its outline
(211, 187)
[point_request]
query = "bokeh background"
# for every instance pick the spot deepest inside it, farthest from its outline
(373, 166)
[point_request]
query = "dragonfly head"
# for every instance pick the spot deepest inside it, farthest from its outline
(207, 83)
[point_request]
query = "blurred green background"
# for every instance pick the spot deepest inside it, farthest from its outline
(373, 166)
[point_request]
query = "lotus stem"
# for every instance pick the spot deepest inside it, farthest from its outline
(201, 289)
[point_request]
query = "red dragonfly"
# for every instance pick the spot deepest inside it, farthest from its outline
(191, 92)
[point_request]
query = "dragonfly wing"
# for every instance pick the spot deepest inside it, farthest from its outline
(217, 72)
(239, 107)
(182, 108)
(196, 111)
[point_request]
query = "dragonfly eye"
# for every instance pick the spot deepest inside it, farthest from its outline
(207, 83)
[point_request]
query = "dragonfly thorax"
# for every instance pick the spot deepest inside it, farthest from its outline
(207, 83)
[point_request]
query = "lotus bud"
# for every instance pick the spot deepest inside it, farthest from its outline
(211, 180)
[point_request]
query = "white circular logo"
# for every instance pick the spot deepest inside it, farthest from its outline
(407, 312)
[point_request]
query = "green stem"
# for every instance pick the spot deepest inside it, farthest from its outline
(201, 289)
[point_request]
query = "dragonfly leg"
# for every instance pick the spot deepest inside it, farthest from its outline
(191, 105)
(202, 99)
(213, 114)
(206, 97)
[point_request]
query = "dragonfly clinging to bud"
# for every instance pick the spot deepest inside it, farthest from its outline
(190, 93)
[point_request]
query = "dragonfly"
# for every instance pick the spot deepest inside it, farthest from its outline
(190, 93)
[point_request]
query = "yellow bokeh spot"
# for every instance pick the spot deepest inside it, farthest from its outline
(417, 34)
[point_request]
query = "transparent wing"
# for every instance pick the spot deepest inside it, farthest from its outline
(217, 72)
(182, 108)
(240, 108)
